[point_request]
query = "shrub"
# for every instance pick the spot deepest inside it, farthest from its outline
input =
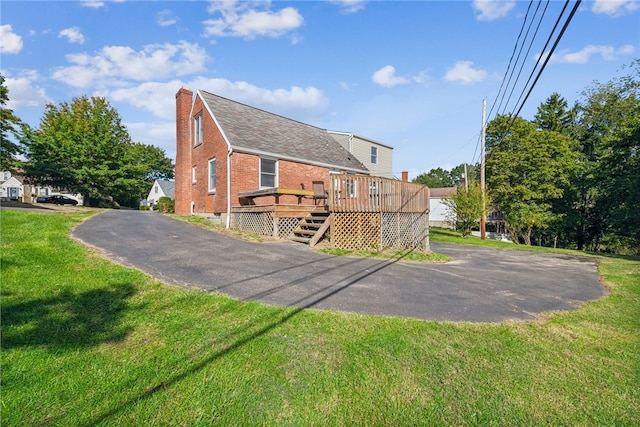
(166, 205)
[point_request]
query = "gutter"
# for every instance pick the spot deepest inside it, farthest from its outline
(228, 221)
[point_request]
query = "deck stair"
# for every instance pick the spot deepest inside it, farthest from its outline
(312, 228)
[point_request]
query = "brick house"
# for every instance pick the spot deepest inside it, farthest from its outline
(225, 148)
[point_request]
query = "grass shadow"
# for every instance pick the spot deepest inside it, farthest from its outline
(67, 320)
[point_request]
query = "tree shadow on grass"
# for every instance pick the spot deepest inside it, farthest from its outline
(67, 320)
(260, 327)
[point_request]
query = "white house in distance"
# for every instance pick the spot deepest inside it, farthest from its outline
(377, 157)
(161, 188)
(11, 187)
(440, 214)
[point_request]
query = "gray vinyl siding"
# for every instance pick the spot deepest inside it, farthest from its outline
(361, 148)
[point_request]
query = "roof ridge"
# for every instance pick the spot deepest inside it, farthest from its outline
(264, 111)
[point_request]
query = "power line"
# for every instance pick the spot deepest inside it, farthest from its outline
(548, 57)
(528, 50)
(515, 47)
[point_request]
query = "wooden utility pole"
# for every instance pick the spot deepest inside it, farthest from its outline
(466, 179)
(483, 235)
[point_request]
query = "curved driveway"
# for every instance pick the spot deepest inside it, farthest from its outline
(482, 285)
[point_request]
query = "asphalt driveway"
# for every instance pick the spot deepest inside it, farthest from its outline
(482, 285)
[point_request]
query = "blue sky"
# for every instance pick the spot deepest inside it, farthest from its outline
(410, 74)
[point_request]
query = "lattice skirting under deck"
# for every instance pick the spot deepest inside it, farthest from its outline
(350, 230)
(405, 230)
(264, 224)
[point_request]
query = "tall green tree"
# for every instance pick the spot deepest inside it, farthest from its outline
(142, 165)
(458, 174)
(435, 178)
(83, 147)
(9, 124)
(554, 115)
(527, 170)
(608, 134)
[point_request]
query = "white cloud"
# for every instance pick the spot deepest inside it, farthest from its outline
(159, 97)
(615, 7)
(10, 42)
(386, 77)
(349, 6)
(608, 53)
(166, 18)
(155, 97)
(159, 134)
(73, 34)
(463, 71)
(295, 102)
(114, 63)
(490, 10)
(92, 3)
(24, 92)
(242, 19)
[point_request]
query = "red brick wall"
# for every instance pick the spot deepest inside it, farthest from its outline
(246, 177)
(183, 152)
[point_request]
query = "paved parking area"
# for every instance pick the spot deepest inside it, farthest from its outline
(481, 285)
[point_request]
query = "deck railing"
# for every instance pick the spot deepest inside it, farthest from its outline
(354, 193)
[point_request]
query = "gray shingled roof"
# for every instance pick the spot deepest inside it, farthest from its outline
(257, 131)
(168, 187)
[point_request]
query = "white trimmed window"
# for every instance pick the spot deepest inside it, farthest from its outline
(268, 173)
(212, 175)
(197, 129)
(374, 155)
(194, 174)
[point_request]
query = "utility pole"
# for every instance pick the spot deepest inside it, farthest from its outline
(483, 235)
(466, 179)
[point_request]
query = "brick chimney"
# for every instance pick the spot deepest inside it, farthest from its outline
(184, 99)
(405, 176)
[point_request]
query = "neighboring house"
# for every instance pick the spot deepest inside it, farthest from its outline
(377, 157)
(225, 148)
(15, 188)
(440, 214)
(161, 188)
(12, 187)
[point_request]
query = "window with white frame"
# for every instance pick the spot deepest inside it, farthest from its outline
(194, 174)
(197, 129)
(212, 175)
(374, 155)
(268, 175)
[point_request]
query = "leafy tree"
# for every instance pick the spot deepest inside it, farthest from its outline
(554, 115)
(527, 170)
(458, 178)
(435, 178)
(608, 134)
(142, 165)
(9, 150)
(83, 147)
(466, 208)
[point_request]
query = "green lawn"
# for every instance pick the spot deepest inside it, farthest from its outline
(86, 342)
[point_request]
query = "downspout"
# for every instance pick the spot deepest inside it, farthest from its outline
(228, 222)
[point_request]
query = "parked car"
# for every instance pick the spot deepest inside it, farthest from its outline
(57, 200)
(44, 199)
